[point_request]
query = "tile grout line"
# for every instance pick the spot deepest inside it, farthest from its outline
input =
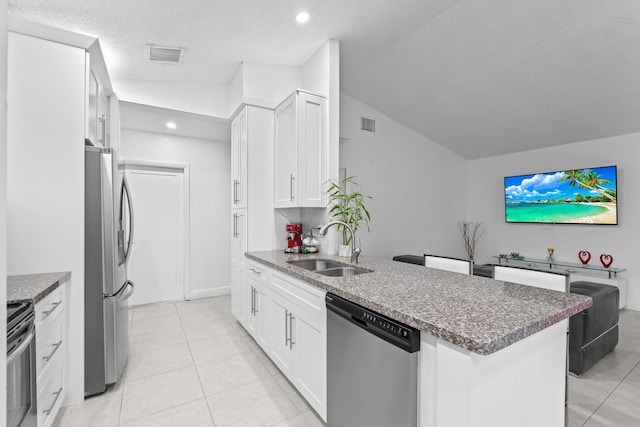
(195, 367)
(612, 391)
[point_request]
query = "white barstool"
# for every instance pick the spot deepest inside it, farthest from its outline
(455, 265)
(530, 277)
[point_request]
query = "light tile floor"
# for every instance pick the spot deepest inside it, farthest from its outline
(191, 364)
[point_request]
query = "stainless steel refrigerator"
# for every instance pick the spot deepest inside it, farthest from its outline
(108, 239)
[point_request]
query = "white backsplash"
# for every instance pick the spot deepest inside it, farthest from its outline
(309, 217)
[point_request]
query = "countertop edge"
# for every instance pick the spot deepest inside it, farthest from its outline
(34, 287)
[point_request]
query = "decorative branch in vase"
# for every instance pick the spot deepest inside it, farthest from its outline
(348, 207)
(471, 234)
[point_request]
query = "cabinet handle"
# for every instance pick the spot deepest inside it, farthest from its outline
(235, 192)
(56, 347)
(235, 225)
(286, 328)
(291, 187)
(48, 312)
(255, 301)
(291, 343)
(253, 270)
(253, 296)
(57, 395)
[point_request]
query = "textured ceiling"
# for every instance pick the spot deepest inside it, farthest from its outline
(481, 77)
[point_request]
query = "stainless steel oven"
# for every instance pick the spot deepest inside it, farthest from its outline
(21, 365)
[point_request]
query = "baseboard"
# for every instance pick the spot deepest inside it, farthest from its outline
(210, 293)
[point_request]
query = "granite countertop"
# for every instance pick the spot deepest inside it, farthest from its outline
(34, 286)
(480, 314)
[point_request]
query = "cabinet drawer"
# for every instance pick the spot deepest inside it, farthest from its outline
(258, 273)
(51, 396)
(305, 296)
(49, 307)
(50, 345)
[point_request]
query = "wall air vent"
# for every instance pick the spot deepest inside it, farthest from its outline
(165, 54)
(367, 124)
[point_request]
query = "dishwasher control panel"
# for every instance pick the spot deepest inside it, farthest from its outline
(390, 330)
(385, 323)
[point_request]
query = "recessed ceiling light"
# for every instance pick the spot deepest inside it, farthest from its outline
(171, 125)
(302, 17)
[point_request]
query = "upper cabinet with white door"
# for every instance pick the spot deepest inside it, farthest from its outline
(96, 111)
(301, 151)
(239, 159)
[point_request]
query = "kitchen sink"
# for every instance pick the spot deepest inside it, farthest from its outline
(316, 264)
(328, 268)
(342, 271)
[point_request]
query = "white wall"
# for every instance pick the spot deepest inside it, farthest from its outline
(419, 188)
(205, 99)
(321, 75)
(210, 167)
(45, 175)
(3, 196)
(486, 204)
(269, 85)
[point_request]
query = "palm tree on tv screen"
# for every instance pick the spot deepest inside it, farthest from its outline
(589, 180)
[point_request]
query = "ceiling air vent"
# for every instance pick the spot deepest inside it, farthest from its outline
(164, 54)
(367, 124)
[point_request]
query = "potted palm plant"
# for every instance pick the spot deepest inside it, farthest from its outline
(348, 207)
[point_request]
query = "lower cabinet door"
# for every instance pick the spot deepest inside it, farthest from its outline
(253, 307)
(238, 293)
(51, 394)
(310, 364)
(263, 337)
(281, 347)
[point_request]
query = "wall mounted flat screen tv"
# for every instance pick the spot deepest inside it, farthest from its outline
(580, 196)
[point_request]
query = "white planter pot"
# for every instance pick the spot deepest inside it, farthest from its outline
(344, 250)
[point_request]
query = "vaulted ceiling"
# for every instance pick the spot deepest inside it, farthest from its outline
(482, 78)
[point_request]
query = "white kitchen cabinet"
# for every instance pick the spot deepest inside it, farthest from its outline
(238, 264)
(96, 111)
(239, 160)
(301, 151)
(51, 354)
(281, 348)
(309, 372)
(253, 216)
(258, 304)
(299, 337)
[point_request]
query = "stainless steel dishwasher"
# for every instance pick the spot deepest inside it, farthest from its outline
(372, 368)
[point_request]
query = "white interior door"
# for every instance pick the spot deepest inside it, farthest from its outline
(156, 264)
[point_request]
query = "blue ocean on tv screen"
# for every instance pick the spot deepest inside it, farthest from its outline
(581, 196)
(565, 212)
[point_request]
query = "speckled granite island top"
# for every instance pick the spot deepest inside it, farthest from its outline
(479, 314)
(34, 286)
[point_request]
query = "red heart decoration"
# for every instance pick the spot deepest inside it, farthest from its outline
(585, 257)
(606, 260)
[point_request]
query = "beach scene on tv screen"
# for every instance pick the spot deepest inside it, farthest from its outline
(581, 196)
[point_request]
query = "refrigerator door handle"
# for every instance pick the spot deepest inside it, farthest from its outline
(127, 293)
(126, 192)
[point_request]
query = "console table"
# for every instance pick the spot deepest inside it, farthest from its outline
(570, 265)
(577, 272)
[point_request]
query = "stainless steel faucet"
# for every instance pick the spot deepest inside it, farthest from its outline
(355, 251)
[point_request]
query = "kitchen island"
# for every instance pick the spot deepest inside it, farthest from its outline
(492, 353)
